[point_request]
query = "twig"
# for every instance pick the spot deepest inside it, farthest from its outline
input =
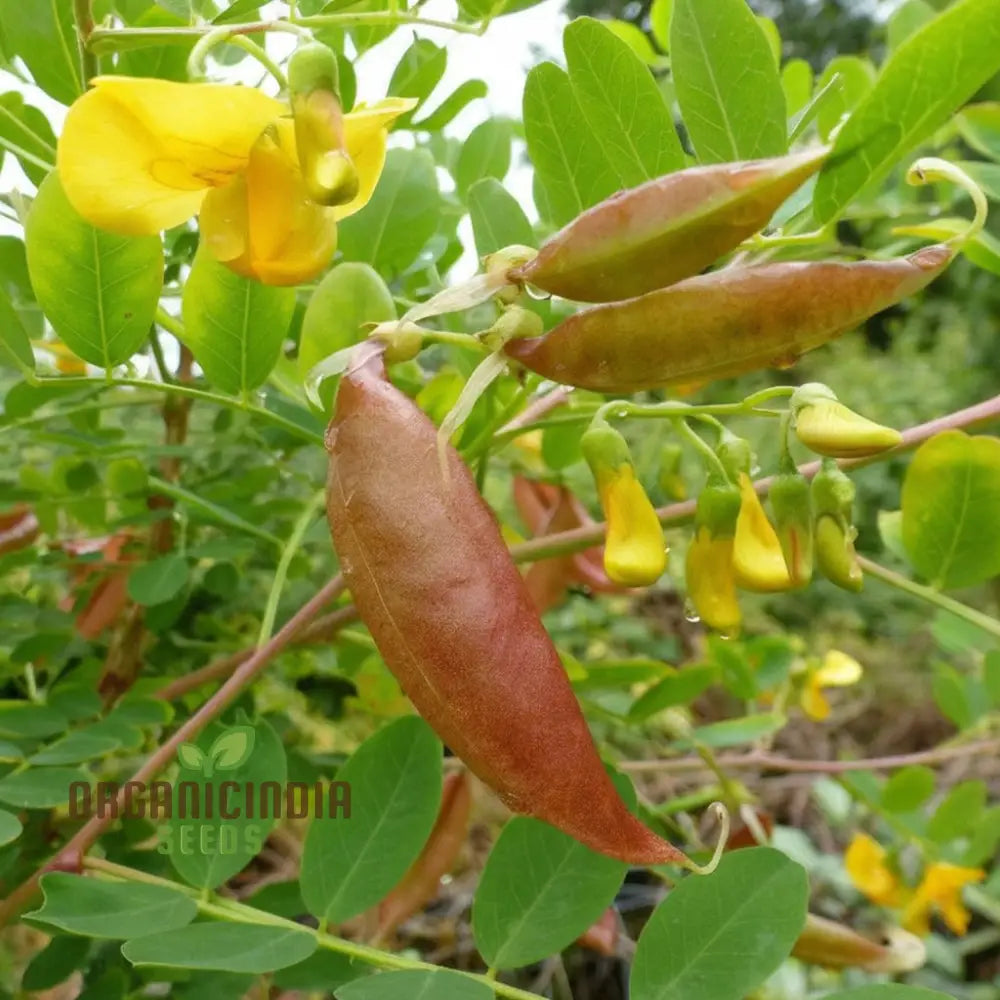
(321, 630)
(84, 17)
(537, 409)
(577, 539)
(71, 855)
(773, 762)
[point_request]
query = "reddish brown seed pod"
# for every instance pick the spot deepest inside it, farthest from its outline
(666, 229)
(432, 579)
(724, 323)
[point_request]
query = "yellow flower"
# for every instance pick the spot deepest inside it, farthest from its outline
(140, 155)
(710, 583)
(866, 866)
(836, 670)
(827, 427)
(758, 561)
(941, 890)
(634, 553)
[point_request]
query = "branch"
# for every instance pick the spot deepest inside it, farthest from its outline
(759, 760)
(71, 855)
(565, 542)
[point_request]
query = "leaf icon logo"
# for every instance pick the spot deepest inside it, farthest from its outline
(232, 748)
(229, 751)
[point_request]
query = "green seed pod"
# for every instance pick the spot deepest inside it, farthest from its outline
(666, 229)
(723, 324)
(832, 496)
(313, 66)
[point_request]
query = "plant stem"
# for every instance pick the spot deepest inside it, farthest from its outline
(84, 17)
(236, 912)
(230, 402)
(169, 323)
(71, 855)
(288, 552)
(931, 596)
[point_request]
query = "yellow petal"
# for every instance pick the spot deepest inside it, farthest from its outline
(262, 225)
(758, 561)
(838, 670)
(634, 554)
(710, 584)
(828, 427)
(865, 861)
(813, 701)
(941, 889)
(366, 130)
(137, 155)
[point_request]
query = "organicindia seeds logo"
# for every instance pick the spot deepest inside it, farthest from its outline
(231, 788)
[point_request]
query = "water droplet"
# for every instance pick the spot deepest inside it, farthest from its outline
(691, 612)
(537, 294)
(724, 636)
(622, 412)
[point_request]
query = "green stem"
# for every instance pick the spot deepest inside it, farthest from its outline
(931, 596)
(170, 323)
(384, 18)
(84, 17)
(161, 361)
(232, 35)
(235, 912)
(23, 154)
(229, 402)
(291, 547)
(712, 461)
(214, 511)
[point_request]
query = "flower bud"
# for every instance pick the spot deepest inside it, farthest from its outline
(758, 559)
(634, 553)
(789, 495)
(670, 479)
(827, 427)
(735, 454)
(513, 323)
(711, 583)
(834, 532)
(327, 170)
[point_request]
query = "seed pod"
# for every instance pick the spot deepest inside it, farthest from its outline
(724, 323)
(664, 230)
(432, 579)
(834, 946)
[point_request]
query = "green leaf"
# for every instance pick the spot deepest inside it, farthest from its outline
(416, 985)
(733, 106)
(540, 891)
(621, 103)
(980, 128)
(888, 991)
(322, 971)
(680, 687)
(74, 748)
(797, 83)
(43, 34)
(734, 732)
(906, 20)
(718, 937)
(207, 851)
(890, 529)
(30, 135)
(391, 230)
(55, 963)
(347, 298)
(950, 497)
(190, 755)
(497, 219)
(569, 161)
(959, 813)
(637, 40)
(933, 73)
(464, 94)
(395, 782)
(234, 326)
(485, 153)
(908, 789)
(22, 719)
(10, 827)
(418, 73)
(39, 787)
(158, 581)
(118, 910)
(223, 947)
(950, 695)
(163, 62)
(991, 676)
(855, 78)
(97, 289)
